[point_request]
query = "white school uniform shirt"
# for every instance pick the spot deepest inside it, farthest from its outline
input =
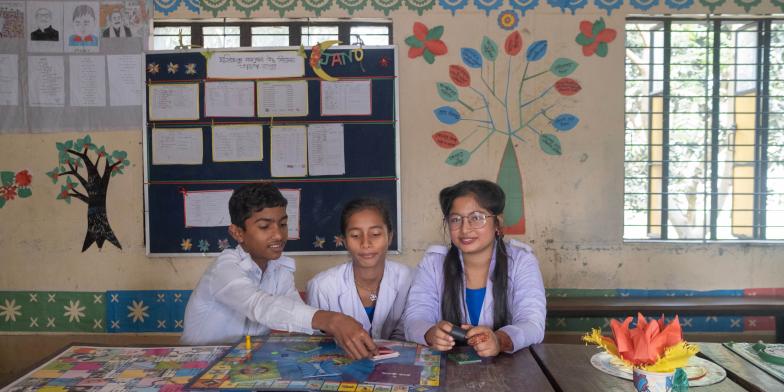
(234, 298)
(334, 290)
(525, 296)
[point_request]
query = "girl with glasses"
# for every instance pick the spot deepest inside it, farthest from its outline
(369, 288)
(491, 288)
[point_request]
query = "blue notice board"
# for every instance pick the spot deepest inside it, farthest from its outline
(188, 177)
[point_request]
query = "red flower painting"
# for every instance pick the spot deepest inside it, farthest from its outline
(426, 42)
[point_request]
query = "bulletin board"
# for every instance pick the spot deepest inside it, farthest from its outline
(323, 128)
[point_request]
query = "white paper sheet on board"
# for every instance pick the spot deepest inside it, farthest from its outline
(326, 155)
(346, 98)
(45, 26)
(228, 99)
(46, 81)
(207, 208)
(125, 80)
(293, 197)
(255, 65)
(174, 101)
(237, 143)
(87, 80)
(177, 146)
(9, 80)
(288, 150)
(283, 98)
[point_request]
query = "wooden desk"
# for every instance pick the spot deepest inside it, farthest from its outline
(518, 372)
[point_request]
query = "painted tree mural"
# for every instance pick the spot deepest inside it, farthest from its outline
(90, 185)
(518, 118)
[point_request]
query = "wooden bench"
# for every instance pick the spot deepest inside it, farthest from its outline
(682, 306)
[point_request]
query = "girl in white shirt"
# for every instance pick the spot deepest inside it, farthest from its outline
(369, 288)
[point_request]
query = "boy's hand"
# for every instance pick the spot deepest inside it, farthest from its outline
(348, 333)
(438, 337)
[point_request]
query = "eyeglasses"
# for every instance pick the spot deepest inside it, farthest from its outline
(476, 220)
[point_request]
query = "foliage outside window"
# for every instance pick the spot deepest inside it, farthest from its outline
(704, 129)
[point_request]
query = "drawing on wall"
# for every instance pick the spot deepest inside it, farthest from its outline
(426, 43)
(91, 184)
(11, 19)
(595, 37)
(508, 20)
(44, 26)
(113, 22)
(81, 27)
(526, 114)
(14, 185)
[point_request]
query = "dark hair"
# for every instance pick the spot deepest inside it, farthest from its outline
(491, 197)
(364, 203)
(252, 198)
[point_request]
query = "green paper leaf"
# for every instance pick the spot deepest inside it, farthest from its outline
(119, 155)
(7, 178)
(429, 57)
(510, 179)
(489, 49)
(458, 157)
(24, 192)
(447, 91)
(434, 33)
(563, 67)
(2, 202)
(550, 144)
(582, 40)
(602, 49)
(414, 41)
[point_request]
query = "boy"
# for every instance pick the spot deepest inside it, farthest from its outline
(250, 289)
(84, 26)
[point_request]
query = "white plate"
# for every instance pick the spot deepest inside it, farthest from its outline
(713, 373)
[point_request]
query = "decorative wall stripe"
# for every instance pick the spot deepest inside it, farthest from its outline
(251, 7)
(163, 311)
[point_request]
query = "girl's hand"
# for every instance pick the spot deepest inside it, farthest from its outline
(437, 336)
(484, 341)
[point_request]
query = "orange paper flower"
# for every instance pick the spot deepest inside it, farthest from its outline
(650, 345)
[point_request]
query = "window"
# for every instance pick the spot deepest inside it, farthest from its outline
(704, 129)
(235, 33)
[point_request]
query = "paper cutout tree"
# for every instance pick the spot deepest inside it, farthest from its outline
(73, 161)
(535, 112)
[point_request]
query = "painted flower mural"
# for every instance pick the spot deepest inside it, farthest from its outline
(426, 43)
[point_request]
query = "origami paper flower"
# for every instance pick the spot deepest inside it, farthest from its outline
(594, 37)
(655, 346)
(508, 20)
(426, 43)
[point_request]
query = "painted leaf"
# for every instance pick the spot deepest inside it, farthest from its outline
(471, 57)
(2, 202)
(435, 33)
(436, 46)
(447, 115)
(24, 192)
(420, 30)
(459, 75)
(607, 35)
(583, 40)
(7, 178)
(563, 67)
(550, 144)
(510, 179)
(447, 91)
(414, 41)
(428, 56)
(489, 49)
(536, 51)
(446, 139)
(598, 26)
(602, 49)
(565, 122)
(458, 157)
(513, 43)
(567, 86)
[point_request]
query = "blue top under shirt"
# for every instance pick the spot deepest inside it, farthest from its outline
(474, 300)
(370, 310)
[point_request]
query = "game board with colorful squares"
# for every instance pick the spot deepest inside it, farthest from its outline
(88, 368)
(316, 363)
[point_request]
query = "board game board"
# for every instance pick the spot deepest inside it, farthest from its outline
(316, 363)
(747, 351)
(142, 369)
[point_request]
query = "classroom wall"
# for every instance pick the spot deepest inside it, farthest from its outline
(574, 202)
